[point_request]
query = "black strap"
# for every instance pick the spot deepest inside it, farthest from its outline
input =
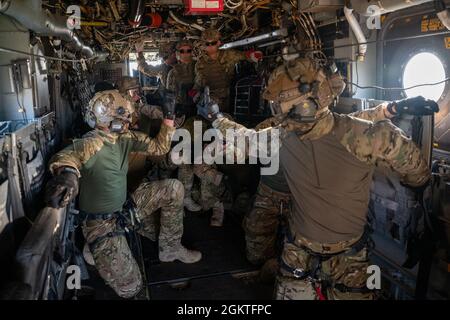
(122, 222)
(96, 242)
(354, 248)
(87, 216)
(318, 258)
(23, 171)
(298, 273)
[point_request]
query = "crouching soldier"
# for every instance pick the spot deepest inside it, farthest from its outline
(97, 165)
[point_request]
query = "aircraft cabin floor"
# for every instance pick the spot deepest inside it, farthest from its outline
(223, 272)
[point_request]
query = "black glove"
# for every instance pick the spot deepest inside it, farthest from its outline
(168, 104)
(61, 189)
(209, 111)
(417, 106)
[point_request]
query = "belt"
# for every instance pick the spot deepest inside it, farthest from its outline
(285, 196)
(121, 221)
(317, 259)
(87, 216)
(330, 249)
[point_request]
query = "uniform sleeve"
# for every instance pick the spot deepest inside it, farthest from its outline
(256, 141)
(372, 114)
(268, 123)
(383, 142)
(76, 154)
(151, 111)
(199, 79)
(234, 56)
(171, 77)
(148, 70)
(160, 145)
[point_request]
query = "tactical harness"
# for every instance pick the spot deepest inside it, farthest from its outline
(314, 274)
(126, 219)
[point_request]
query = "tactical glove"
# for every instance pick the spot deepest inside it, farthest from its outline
(168, 104)
(62, 188)
(209, 111)
(417, 106)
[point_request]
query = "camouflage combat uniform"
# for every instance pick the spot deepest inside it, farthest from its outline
(180, 80)
(101, 159)
(262, 222)
(211, 179)
(329, 172)
(217, 74)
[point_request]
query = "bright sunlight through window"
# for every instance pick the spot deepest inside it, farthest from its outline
(424, 68)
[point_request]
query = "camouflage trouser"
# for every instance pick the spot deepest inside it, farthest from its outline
(211, 185)
(112, 255)
(262, 222)
(345, 269)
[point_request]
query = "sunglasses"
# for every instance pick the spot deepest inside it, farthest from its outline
(211, 44)
(185, 51)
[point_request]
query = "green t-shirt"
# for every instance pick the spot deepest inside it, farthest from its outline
(103, 183)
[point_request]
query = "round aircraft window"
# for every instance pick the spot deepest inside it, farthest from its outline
(424, 68)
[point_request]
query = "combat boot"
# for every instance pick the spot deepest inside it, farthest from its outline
(218, 215)
(180, 253)
(191, 205)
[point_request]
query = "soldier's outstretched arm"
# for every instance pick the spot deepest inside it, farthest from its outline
(378, 113)
(384, 143)
(76, 154)
(145, 68)
(235, 56)
(160, 145)
(392, 146)
(265, 139)
(417, 106)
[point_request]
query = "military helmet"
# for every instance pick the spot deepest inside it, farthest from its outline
(183, 43)
(128, 83)
(108, 108)
(211, 34)
(301, 80)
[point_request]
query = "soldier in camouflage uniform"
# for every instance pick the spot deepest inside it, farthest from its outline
(216, 68)
(272, 201)
(211, 181)
(166, 52)
(130, 88)
(181, 78)
(99, 163)
(328, 161)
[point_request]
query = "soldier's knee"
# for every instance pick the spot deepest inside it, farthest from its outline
(177, 190)
(131, 290)
(288, 288)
